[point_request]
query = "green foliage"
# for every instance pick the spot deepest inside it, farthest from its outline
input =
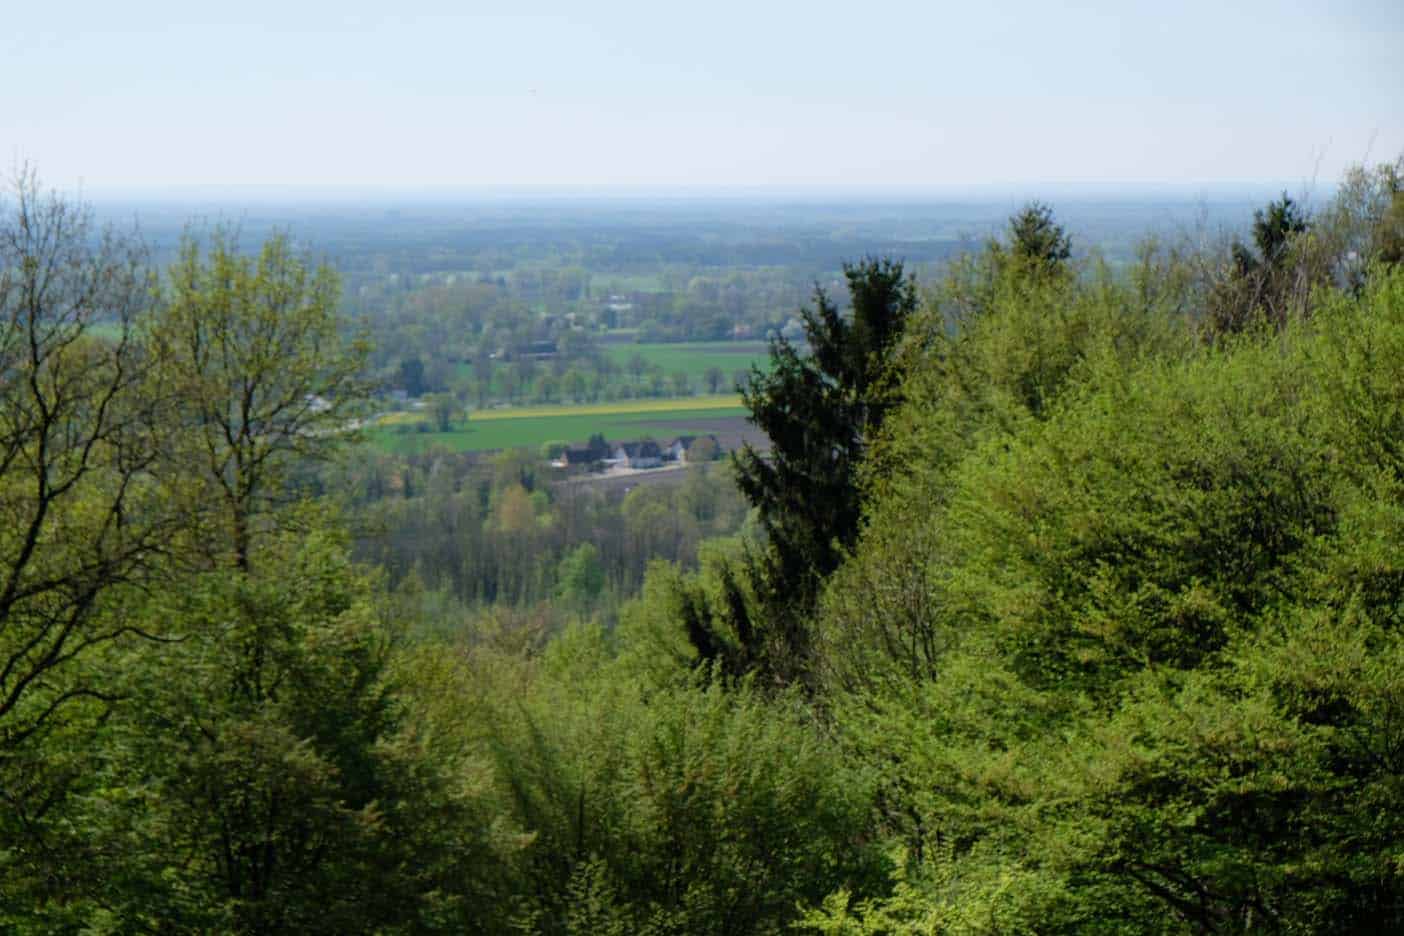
(1036, 241)
(411, 375)
(253, 349)
(580, 578)
(1388, 236)
(1095, 628)
(1363, 226)
(986, 361)
(1158, 692)
(83, 528)
(446, 520)
(703, 449)
(663, 807)
(261, 769)
(946, 897)
(819, 411)
(1271, 284)
(443, 409)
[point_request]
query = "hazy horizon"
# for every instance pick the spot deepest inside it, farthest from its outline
(156, 96)
(934, 193)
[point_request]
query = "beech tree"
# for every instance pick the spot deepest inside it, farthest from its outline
(77, 515)
(256, 772)
(255, 348)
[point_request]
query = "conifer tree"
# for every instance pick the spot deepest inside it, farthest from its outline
(1263, 280)
(819, 406)
(1035, 239)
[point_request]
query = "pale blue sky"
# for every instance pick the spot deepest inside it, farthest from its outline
(868, 93)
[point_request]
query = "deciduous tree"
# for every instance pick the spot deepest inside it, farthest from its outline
(78, 439)
(258, 354)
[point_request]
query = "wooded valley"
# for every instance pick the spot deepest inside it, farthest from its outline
(1067, 595)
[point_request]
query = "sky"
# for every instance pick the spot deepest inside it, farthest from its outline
(150, 95)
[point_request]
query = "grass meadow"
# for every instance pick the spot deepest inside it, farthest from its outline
(694, 358)
(530, 427)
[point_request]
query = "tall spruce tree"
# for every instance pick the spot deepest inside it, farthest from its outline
(1269, 283)
(819, 406)
(1036, 239)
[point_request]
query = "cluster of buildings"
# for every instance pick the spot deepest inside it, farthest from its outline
(600, 455)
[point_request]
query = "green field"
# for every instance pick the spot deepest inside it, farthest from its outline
(530, 431)
(694, 358)
(666, 407)
(109, 331)
(628, 282)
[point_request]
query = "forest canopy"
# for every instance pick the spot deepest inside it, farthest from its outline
(1095, 629)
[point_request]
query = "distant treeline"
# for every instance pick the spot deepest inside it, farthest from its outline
(505, 531)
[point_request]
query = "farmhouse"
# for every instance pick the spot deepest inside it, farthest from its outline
(578, 459)
(676, 450)
(645, 454)
(680, 449)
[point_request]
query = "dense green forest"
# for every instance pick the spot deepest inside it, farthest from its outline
(1067, 598)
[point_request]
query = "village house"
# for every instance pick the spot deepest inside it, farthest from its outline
(577, 459)
(676, 450)
(644, 454)
(679, 449)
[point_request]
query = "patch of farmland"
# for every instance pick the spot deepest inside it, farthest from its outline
(694, 358)
(668, 405)
(574, 425)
